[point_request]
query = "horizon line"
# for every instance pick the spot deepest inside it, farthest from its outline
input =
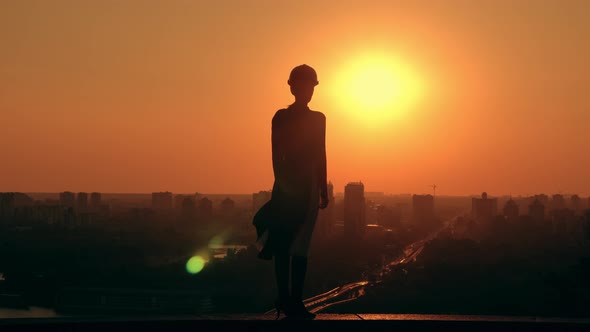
(336, 192)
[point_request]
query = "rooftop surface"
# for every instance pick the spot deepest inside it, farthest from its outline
(327, 322)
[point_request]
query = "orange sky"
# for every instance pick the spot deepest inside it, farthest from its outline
(142, 96)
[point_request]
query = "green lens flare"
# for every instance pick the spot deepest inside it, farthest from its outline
(195, 264)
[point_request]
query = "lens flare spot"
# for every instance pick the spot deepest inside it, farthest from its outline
(195, 264)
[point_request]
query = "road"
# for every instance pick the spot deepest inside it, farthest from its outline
(352, 291)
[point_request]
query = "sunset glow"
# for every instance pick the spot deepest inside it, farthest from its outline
(377, 87)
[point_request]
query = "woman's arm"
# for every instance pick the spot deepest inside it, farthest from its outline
(322, 164)
(277, 148)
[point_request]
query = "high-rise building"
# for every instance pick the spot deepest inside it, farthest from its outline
(562, 220)
(576, 204)
(423, 209)
(162, 200)
(6, 207)
(82, 201)
(95, 200)
(557, 202)
(537, 211)
(259, 199)
(179, 201)
(544, 199)
(69, 218)
(354, 210)
(227, 206)
(205, 209)
(511, 210)
(484, 208)
(67, 199)
(188, 207)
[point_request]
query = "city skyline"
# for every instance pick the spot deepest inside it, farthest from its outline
(336, 192)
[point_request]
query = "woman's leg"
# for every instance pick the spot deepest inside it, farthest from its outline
(298, 272)
(282, 276)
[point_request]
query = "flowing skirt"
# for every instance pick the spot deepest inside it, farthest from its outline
(288, 225)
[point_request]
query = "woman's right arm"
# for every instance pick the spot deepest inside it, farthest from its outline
(277, 148)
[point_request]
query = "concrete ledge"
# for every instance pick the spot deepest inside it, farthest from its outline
(252, 322)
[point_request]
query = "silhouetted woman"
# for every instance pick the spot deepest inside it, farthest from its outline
(285, 224)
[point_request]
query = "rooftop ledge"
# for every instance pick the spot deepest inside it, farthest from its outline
(265, 322)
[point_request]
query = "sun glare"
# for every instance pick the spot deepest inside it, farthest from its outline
(373, 87)
(376, 87)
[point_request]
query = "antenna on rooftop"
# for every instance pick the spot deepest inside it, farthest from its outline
(433, 189)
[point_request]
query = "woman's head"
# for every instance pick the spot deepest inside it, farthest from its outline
(302, 81)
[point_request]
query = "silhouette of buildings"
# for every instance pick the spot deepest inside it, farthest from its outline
(82, 201)
(227, 207)
(562, 220)
(162, 200)
(188, 208)
(47, 214)
(484, 208)
(557, 202)
(205, 210)
(544, 199)
(142, 216)
(178, 201)
(23, 213)
(374, 232)
(69, 217)
(576, 204)
(6, 207)
(67, 198)
(388, 216)
(95, 200)
(422, 209)
(511, 210)
(21, 199)
(537, 211)
(11, 205)
(354, 210)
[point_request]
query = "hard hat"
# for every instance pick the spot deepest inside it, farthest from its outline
(303, 73)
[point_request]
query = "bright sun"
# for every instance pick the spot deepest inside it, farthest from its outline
(376, 87)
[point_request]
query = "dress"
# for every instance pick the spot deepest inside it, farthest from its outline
(287, 221)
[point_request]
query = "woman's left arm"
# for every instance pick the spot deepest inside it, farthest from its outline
(322, 164)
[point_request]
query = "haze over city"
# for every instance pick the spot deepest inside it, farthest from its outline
(144, 96)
